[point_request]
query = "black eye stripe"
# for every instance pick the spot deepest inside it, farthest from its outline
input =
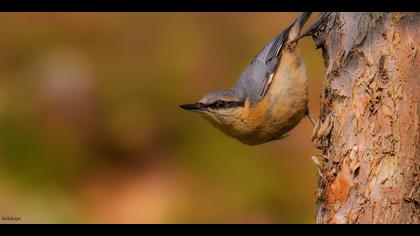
(224, 104)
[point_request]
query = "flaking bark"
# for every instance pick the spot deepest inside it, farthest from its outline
(369, 119)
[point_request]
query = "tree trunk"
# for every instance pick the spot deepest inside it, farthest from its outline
(368, 128)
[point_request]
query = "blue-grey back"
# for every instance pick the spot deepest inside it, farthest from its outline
(254, 80)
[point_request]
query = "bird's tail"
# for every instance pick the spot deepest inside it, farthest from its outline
(297, 26)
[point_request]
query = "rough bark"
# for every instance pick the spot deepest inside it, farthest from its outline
(369, 121)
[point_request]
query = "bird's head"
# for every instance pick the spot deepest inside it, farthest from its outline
(223, 108)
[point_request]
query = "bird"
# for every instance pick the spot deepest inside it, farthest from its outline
(269, 99)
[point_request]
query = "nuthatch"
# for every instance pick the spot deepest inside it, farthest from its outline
(269, 99)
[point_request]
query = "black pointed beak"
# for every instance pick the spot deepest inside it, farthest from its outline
(192, 107)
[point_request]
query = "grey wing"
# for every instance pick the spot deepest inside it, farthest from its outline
(256, 78)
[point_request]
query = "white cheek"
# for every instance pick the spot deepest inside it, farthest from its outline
(211, 117)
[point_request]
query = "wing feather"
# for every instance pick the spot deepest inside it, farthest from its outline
(256, 78)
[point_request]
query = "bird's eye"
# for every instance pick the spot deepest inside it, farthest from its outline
(220, 104)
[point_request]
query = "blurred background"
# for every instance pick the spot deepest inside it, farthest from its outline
(91, 131)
